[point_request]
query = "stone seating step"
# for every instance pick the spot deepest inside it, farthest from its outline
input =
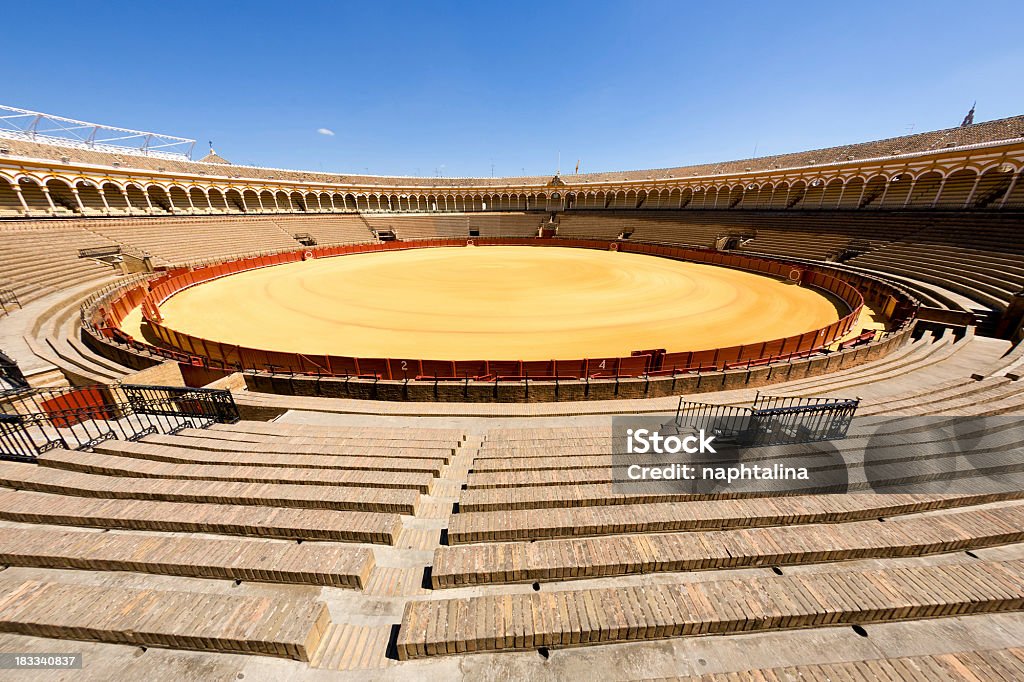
(116, 465)
(217, 445)
(67, 482)
(537, 524)
(582, 558)
(271, 626)
(650, 612)
(281, 428)
(370, 460)
(219, 519)
(311, 563)
(340, 440)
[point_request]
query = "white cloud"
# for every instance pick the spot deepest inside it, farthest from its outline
(325, 131)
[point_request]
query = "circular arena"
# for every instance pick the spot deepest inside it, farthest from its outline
(585, 309)
(501, 302)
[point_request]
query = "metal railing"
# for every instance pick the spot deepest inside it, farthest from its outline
(34, 421)
(771, 420)
(725, 422)
(814, 421)
(770, 402)
(208, 403)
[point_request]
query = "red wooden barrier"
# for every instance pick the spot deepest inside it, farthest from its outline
(229, 355)
(404, 369)
(60, 405)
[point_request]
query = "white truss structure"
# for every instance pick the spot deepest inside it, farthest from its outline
(34, 126)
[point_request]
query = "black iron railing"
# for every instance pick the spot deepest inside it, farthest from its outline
(725, 422)
(33, 421)
(819, 420)
(216, 404)
(771, 420)
(770, 402)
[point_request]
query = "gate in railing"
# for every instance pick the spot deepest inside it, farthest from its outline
(771, 420)
(33, 421)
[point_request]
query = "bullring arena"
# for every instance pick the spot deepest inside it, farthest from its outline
(273, 424)
(507, 302)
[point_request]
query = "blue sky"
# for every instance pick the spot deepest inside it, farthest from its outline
(451, 88)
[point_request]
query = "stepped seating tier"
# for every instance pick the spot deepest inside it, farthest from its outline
(389, 450)
(235, 559)
(269, 432)
(656, 517)
(550, 560)
(289, 628)
(114, 465)
(44, 259)
(66, 482)
(161, 451)
(572, 618)
(218, 519)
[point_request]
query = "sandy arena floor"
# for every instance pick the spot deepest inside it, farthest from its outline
(507, 302)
